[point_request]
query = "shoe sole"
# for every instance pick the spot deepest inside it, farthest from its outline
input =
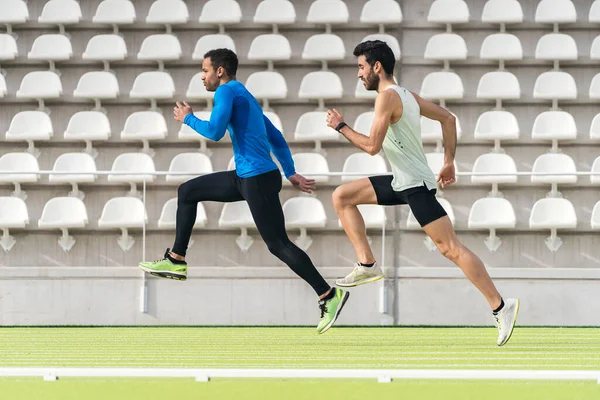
(514, 322)
(338, 311)
(363, 282)
(164, 274)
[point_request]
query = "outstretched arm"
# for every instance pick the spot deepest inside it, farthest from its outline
(219, 118)
(280, 148)
(447, 174)
(381, 122)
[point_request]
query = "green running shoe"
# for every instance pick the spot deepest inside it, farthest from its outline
(164, 268)
(330, 309)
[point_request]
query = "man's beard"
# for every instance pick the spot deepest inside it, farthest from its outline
(372, 82)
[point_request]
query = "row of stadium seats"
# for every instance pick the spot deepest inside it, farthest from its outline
(304, 213)
(225, 12)
(276, 48)
(80, 168)
(319, 85)
(88, 126)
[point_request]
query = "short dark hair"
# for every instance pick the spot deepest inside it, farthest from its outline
(223, 58)
(377, 50)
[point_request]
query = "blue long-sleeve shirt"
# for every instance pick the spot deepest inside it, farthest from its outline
(252, 133)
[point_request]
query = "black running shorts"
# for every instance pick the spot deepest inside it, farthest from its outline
(421, 200)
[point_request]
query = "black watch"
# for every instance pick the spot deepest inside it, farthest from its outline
(340, 126)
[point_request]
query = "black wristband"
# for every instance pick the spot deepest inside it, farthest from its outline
(340, 126)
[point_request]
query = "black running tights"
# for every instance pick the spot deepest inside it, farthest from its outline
(262, 194)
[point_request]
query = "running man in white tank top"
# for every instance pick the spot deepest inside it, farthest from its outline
(396, 129)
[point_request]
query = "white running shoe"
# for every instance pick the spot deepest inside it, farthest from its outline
(361, 275)
(506, 319)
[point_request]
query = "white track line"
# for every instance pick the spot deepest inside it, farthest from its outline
(382, 375)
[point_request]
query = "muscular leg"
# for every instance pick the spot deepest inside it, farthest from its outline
(345, 199)
(220, 186)
(443, 235)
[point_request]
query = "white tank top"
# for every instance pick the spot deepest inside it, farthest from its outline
(403, 146)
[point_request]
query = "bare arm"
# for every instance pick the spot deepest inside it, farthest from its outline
(448, 121)
(381, 122)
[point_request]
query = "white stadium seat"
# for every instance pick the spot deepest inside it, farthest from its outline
(361, 91)
(595, 218)
(13, 12)
(123, 213)
(501, 46)
(499, 85)
(442, 85)
(556, 46)
(267, 85)
(431, 131)
(195, 164)
(553, 213)
(220, 12)
(145, 126)
(555, 12)
(115, 12)
(363, 163)
(304, 213)
(231, 164)
(492, 213)
(88, 126)
(77, 163)
(595, 128)
(554, 163)
(502, 12)
(40, 85)
(64, 213)
(270, 47)
(153, 85)
(554, 125)
(134, 163)
(363, 123)
(60, 12)
(237, 215)
(3, 89)
(497, 125)
(210, 42)
(275, 12)
(311, 126)
(30, 126)
(494, 163)
(13, 214)
(308, 164)
(389, 40)
(555, 85)
(321, 85)
(160, 47)
(381, 12)
(595, 87)
(275, 120)
(19, 162)
(8, 47)
(595, 48)
(97, 85)
(168, 215)
(448, 12)
(105, 48)
(168, 12)
(446, 47)
(594, 14)
(324, 47)
(328, 12)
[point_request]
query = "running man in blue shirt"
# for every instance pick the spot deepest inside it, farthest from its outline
(256, 180)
